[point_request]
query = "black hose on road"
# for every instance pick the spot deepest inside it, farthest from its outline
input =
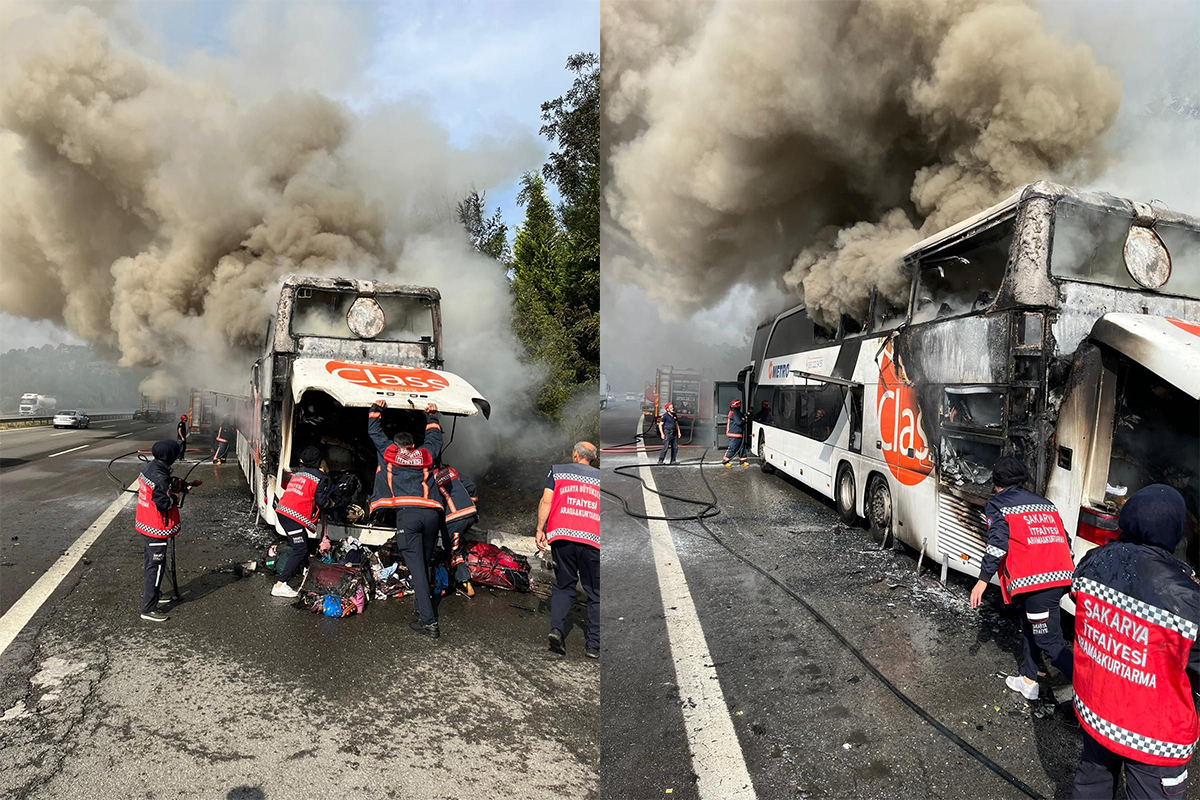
(708, 509)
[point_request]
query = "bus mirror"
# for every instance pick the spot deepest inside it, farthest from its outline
(365, 318)
(1146, 257)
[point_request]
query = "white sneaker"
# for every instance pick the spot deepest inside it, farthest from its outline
(1018, 684)
(283, 590)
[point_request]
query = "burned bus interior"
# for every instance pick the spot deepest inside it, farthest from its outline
(348, 453)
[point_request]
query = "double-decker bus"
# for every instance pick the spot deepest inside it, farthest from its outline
(1059, 326)
(335, 347)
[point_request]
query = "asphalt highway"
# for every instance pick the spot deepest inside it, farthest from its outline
(807, 719)
(241, 695)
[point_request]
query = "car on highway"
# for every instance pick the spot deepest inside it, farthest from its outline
(71, 419)
(630, 397)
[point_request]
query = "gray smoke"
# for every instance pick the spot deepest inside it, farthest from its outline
(811, 143)
(154, 211)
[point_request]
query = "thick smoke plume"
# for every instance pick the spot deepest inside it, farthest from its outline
(750, 141)
(154, 211)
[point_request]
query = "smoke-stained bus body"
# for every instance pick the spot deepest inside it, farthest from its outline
(334, 347)
(1058, 326)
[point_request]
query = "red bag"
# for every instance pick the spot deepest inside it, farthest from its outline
(499, 567)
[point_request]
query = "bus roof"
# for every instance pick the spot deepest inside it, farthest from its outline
(360, 287)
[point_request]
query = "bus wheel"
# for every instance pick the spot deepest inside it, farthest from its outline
(846, 495)
(762, 455)
(879, 509)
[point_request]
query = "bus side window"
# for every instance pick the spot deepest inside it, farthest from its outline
(824, 335)
(885, 314)
(850, 326)
(965, 278)
(821, 410)
(785, 415)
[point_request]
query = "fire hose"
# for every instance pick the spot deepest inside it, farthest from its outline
(708, 509)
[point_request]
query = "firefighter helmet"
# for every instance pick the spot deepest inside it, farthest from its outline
(735, 404)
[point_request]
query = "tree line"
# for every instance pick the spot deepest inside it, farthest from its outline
(553, 264)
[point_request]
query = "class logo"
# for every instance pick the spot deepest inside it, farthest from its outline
(905, 450)
(382, 376)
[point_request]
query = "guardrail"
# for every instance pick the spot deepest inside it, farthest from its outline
(29, 421)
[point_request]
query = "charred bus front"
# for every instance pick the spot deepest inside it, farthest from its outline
(334, 347)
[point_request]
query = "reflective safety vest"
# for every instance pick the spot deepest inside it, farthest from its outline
(575, 506)
(1131, 688)
(457, 500)
(1038, 555)
(298, 502)
(148, 520)
(221, 434)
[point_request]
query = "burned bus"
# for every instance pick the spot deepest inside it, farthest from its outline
(335, 347)
(1058, 326)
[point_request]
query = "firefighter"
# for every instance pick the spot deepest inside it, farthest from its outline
(1027, 545)
(405, 482)
(458, 500)
(569, 523)
(1137, 611)
(224, 432)
(157, 520)
(297, 511)
(182, 431)
(668, 431)
(734, 427)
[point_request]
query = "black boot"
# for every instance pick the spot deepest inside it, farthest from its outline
(429, 630)
(556, 643)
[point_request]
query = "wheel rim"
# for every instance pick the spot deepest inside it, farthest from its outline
(762, 456)
(846, 490)
(881, 507)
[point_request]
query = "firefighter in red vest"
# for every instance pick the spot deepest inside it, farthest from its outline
(405, 484)
(569, 523)
(1137, 613)
(298, 511)
(458, 500)
(224, 433)
(1027, 548)
(157, 520)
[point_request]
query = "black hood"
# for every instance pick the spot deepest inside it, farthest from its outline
(1155, 515)
(165, 451)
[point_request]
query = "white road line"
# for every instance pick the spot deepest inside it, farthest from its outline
(716, 753)
(119, 435)
(109, 426)
(64, 433)
(19, 614)
(72, 450)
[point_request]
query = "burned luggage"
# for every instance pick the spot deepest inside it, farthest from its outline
(498, 566)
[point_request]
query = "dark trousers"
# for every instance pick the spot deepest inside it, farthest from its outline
(298, 536)
(672, 441)
(1099, 769)
(735, 448)
(155, 565)
(1042, 632)
(220, 451)
(416, 533)
(575, 562)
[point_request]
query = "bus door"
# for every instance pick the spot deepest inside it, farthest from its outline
(724, 393)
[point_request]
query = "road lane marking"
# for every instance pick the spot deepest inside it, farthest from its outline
(18, 616)
(64, 433)
(109, 426)
(119, 435)
(716, 753)
(72, 450)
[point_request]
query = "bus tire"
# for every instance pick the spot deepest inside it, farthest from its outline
(762, 454)
(879, 509)
(846, 495)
